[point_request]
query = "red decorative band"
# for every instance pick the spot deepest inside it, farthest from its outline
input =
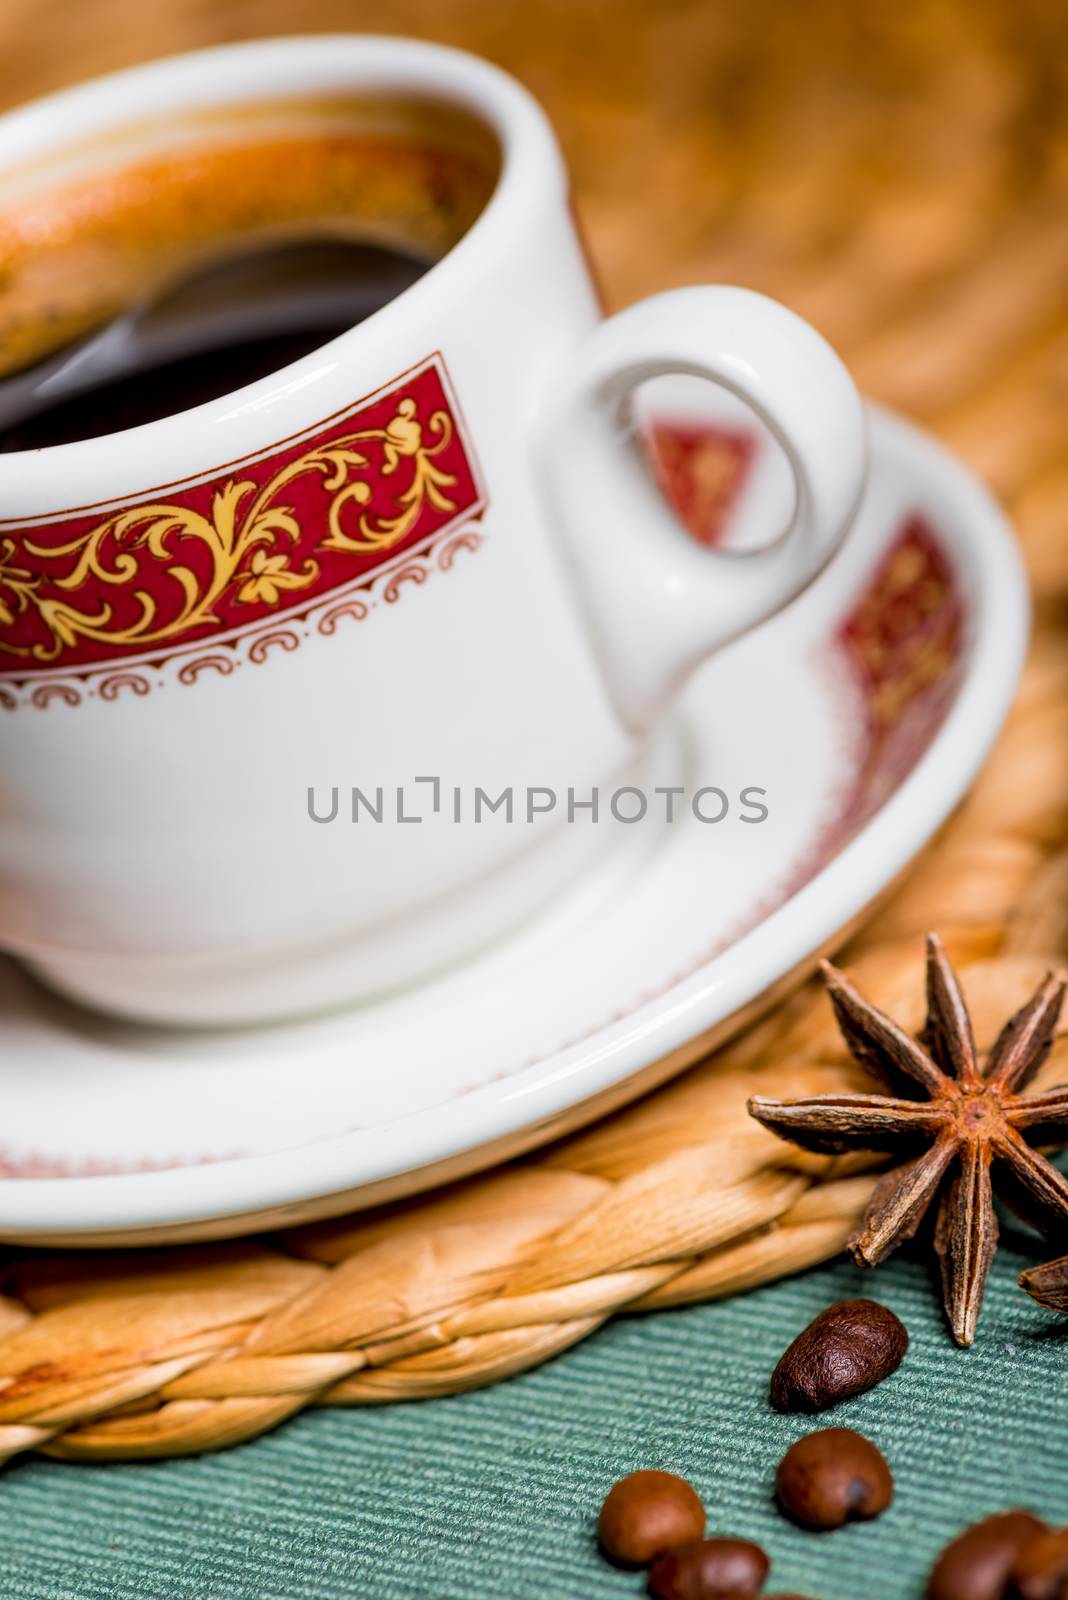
(259, 541)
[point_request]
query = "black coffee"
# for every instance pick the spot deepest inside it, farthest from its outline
(220, 328)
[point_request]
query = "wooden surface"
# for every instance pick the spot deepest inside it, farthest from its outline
(899, 175)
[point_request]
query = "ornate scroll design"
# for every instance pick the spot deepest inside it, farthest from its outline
(467, 539)
(17, 584)
(114, 684)
(353, 607)
(256, 645)
(190, 671)
(402, 438)
(248, 536)
(44, 693)
(280, 638)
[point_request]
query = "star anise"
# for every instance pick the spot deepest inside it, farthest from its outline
(952, 1118)
(1048, 1284)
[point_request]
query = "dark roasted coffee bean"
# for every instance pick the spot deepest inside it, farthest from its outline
(709, 1569)
(647, 1513)
(849, 1348)
(1040, 1570)
(976, 1565)
(832, 1477)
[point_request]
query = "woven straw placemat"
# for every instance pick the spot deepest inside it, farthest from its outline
(679, 1198)
(938, 263)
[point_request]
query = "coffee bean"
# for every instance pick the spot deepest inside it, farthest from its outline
(832, 1477)
(647, 1513)
(847, 1349)
(709, 1569)
(1040, 1570)
(976, 1565)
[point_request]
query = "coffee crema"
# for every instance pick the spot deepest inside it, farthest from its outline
(229, 324)
(231, 242)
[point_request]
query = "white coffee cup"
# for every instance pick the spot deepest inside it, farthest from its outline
(205, 617)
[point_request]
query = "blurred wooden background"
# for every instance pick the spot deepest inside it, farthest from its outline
(897, 173)
(890, 170)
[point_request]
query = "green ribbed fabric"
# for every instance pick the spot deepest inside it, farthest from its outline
(493, 1496)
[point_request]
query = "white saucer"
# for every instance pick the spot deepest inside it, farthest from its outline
(887, 685)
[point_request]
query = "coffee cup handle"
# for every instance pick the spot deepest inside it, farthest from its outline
(658, 603)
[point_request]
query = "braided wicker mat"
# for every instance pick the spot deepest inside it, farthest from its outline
(937, 259)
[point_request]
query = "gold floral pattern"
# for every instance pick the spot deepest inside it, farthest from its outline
(211, 559)
(249, 534)
(16, 582)
(403, 438)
